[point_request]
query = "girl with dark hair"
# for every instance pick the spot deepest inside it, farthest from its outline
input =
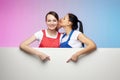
(74, 38)
(48, 38)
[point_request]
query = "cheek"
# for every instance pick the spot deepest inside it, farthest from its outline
(55, 23)
(61, 22)
(47, 23)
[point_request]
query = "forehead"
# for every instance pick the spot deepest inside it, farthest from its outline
(66, 16)
(49, 16)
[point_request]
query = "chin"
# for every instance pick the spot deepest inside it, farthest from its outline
(52, 28)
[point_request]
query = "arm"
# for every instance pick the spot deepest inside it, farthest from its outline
(90, 46)
(25, 47)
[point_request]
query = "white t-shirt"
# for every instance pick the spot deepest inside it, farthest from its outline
(73, 42)
(39, 35)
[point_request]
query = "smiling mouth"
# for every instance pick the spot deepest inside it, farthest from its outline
(52, 26)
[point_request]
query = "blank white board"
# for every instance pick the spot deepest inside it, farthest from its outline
(102, 64)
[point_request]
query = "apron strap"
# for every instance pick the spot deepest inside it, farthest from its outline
(69, 35)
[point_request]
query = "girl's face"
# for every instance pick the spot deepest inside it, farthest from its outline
(64, 21)
(51, 22)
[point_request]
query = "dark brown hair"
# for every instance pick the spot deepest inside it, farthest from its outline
(52, 13)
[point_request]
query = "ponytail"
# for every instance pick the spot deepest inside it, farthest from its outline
(80, 26)
(81, 29)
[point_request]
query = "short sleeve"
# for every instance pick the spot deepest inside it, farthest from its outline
(74, 42)
(39, 35)
(75, 34)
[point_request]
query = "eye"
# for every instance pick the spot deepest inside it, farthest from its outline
(54, 20)
(48, 20)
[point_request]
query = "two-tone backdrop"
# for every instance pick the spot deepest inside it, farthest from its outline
(20, 19)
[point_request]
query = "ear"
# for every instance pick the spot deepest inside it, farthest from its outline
(69, 23)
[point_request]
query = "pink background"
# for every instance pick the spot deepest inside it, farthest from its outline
(19, 19)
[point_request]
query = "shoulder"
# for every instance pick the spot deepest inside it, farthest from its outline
(76, 33)
(39, 34)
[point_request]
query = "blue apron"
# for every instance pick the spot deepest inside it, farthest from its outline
(65, 44)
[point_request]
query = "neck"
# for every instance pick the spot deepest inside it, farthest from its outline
(68, 30)
(51, 32)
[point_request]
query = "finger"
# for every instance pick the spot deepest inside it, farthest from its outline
(48, 58)
(68, 60)
(74, 60)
